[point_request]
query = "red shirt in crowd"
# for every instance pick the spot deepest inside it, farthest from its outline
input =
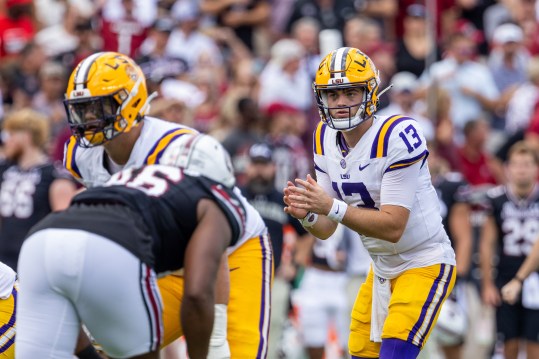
(14, 35)
(124, 36)
(476, 171)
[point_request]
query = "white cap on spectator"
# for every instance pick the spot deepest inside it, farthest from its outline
(506, 33)
(185, 10)
(52, 69)
(285, 50)
(404, 81)
(182, 91)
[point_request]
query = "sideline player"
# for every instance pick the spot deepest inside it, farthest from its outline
(106, 105)
(509, 232)
(96, 262)
(372, 177)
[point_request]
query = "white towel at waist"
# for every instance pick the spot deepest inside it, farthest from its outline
(381, 294)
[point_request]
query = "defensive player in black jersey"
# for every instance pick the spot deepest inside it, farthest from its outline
(30, 185)
(261, 193)
(453, 192)
(512, 228)
(97, 262)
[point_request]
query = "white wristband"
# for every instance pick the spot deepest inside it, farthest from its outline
(309, 220)
(219, 348)
(337, 210)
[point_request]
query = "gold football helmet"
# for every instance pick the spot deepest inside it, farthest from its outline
(345, 68)
(106, 95)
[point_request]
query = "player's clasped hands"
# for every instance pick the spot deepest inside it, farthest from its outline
(306, 196)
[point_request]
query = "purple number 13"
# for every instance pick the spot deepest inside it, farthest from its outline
(410, 130)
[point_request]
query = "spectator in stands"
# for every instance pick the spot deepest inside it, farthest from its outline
(521, 104)
(154, 61)
(362, 33)
(403, 101)
(172, 110)
(383, 12)
(30, 185)
(285, 78)
(476, 164)
(468, 82)
(16, 28)
(241, 138)
(65, 30)
(289, 154)
(49, 100)
(417, 48)
(22, 77)
(243, 16)
(125, 33)
(332, 14)
(187, 41)
(307, 31)
(508, 59)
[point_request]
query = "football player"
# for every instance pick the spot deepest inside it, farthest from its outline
(510, 231)
(96, 262)
(31, 186)
(372, 177)
(106, 104)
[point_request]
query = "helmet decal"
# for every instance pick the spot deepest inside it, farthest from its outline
(101, 81)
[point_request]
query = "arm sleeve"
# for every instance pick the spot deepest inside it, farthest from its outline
(399, 187)
(406, 156)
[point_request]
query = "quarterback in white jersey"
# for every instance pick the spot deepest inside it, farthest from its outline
(106, 104)
(372, 176)
(355, 177)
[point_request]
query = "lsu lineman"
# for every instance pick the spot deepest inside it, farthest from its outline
(106, 102)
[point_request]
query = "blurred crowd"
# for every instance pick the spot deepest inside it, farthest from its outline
(241, 70)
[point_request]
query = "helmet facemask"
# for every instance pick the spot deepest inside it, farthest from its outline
(96, 120)
(345, 123)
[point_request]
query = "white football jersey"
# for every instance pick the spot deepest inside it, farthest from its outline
(87, 164)
(354, 175)
(7, 280)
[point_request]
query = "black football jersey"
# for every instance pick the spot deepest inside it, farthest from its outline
(166, 200)
(517, 223)
(451, 189)
(270, 206)
(24, 201)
